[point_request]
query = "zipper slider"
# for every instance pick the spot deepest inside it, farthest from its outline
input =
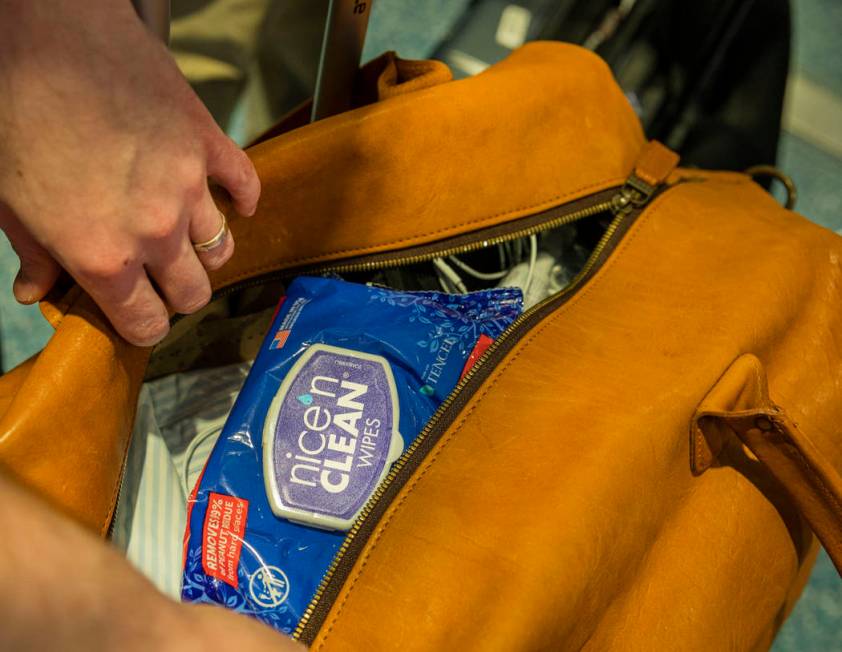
(654, 164)
(635, 193)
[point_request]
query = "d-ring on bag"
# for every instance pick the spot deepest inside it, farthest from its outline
(642, 459)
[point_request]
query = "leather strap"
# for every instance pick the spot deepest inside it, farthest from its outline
(811, 482)
(655, 163)
(739, 404)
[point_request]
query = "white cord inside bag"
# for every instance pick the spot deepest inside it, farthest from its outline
(450, 280)
(482, 276)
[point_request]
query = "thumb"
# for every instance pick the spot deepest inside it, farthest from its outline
(38, 269)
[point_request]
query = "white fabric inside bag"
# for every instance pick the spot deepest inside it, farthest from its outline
(178, 420)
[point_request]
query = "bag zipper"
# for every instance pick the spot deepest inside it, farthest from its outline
(626, 203)
(604, 201)
(522, 227)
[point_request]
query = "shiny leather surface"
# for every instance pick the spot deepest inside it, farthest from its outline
(441, 161)
(562, 511)
(594, 493)
(406, 170)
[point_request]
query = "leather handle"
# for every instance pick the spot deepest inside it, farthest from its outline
(811, 482)
(739, 405)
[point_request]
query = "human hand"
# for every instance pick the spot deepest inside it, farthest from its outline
(104, 164)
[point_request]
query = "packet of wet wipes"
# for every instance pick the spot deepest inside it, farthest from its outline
(346, 378)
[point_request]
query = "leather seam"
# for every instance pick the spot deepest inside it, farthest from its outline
(445, 230)
(762, 385)
(499, 372)
(115, 493)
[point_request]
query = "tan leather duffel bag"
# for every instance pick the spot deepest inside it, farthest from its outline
(639, 463)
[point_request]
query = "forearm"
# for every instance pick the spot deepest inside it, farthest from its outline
(62, 588)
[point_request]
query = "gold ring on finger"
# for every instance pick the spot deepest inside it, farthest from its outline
(216, 240)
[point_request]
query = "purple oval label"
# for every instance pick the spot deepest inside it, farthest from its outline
(330, 435)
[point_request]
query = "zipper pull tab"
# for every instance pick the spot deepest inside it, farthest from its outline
(655, 163)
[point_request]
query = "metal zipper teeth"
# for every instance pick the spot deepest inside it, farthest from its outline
(552, 218)
(543, 221)
(472, 246)
(309, 625)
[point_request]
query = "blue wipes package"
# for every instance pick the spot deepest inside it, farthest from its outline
(346, 378)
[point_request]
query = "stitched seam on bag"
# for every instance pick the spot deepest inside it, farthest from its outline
(115, 492)
(442, 444)
(698, 437)
(103, 527)
(762, 386)
(454, 227)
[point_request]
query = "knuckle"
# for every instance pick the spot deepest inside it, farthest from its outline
(148, 331)
(219, 145)
(214, 263)
(194, 191)
(104, 267)
(243, 159)
(191, 178)
(247, 172)
(145, 321)
(230, 157)
(196, 299)
(189, 170)
(258, 187)
(158, 225)
(215, 259)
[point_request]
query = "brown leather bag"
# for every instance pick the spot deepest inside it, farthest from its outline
(639, 463)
